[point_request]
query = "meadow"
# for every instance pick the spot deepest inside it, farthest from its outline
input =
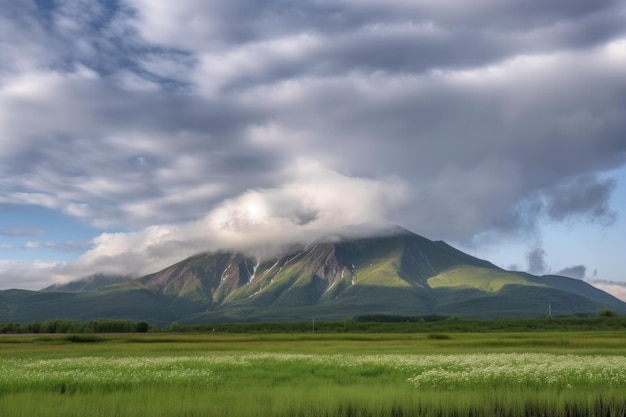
(425, 374)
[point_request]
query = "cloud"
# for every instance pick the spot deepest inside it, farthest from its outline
(68, 246)
(22, 231)
(186, 24)
(617, 289)
(312, 204)
(466, 123)
(462, 137)
(586, 196)
(373, 90)
(577, 272)
(27, 274)
(536, 261)
(97, 161)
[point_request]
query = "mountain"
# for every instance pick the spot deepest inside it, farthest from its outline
(92, 282)
(401, 274)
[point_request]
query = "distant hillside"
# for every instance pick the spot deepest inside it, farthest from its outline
(92, 282)
(398, 274)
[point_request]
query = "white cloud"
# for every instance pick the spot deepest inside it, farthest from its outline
(27, 274)
(313, 203)
(190, 24)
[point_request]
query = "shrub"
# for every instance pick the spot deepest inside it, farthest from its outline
(606, 312)
(75, 338)
(439, 336)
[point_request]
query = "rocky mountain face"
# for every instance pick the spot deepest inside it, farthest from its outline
(399, 274)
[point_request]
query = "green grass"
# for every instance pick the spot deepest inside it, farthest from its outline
(579, 342)
(381, 266)
(383, 272)
(483, 279)
(503, 374)
(292, 401)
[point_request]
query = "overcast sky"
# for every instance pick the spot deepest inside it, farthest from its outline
(134, 133)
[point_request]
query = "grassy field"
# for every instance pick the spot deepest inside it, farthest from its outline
(436, 374)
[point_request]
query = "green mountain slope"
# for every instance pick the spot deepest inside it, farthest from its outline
(92, 282)
(399, 274)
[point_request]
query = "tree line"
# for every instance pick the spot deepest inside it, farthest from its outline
(360, 324)
(72, 326)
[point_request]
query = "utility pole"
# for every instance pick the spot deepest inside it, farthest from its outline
(549, 310)
(313, 324)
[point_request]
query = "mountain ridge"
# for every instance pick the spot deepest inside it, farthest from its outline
(399, 273)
